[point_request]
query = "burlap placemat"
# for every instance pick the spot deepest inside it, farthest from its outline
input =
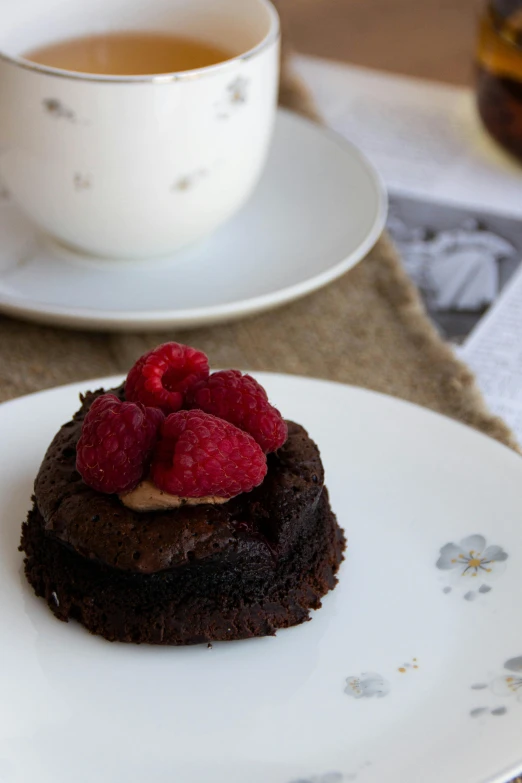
(369, 329)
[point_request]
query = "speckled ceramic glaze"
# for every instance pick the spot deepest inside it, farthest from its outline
(136, 166)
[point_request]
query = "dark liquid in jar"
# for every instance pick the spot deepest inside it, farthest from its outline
(499, 75)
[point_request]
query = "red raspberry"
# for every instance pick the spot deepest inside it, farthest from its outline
(199, 455)
(160, 378)
(242, 401)
(116, 444)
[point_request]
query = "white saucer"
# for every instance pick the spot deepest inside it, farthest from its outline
(318, 210)
(411, 672)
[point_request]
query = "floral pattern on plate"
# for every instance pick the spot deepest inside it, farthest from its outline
(506, 685)
(509, 684)
(472, 561)
(367, 685)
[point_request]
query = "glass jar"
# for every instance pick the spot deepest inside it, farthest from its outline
(499, 73)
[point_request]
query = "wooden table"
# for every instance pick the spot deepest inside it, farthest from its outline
(433, 39)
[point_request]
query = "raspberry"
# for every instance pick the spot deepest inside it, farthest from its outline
(160, 378)
(242, 401)
(199, 455)
(116, 444)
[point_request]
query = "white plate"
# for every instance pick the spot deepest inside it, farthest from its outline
(317, 211)
(404, 483)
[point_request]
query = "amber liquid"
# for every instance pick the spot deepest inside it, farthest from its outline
(499, 75)
(128, 54)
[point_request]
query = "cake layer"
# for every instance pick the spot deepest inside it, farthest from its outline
(198, 602)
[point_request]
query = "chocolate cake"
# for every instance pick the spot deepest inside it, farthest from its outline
(194, 574)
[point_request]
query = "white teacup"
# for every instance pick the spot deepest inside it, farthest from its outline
(131, 167)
